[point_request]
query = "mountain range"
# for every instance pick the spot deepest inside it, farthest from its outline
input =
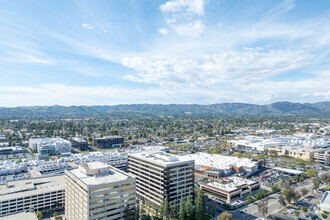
(278, 108)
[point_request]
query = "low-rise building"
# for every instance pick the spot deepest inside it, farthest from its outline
(230, 188)
(322, 156)
(98, 191)
(49, 146)
(109, 142)
(31, 195)
(79, 143)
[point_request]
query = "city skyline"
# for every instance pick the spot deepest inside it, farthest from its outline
(176, 51)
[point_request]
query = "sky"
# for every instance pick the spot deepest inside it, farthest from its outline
(163, 52)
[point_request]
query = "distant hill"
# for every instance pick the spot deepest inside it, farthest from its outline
(278, 108)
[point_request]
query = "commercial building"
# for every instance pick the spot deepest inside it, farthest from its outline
(49, 146)
(109, 142)
(160, 175)
(31, 195)
(230, 188)
(96, 191)
(325, 203)
(216, 166)
(79, 143)
(11, 150)
(322, 156)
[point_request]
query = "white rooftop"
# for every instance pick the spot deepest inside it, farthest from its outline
(286, 170)
(232, 185)
(108, 174)
(160, 158)
(218, 161)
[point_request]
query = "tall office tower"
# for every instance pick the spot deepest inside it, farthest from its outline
(96, 190)
(160, 175)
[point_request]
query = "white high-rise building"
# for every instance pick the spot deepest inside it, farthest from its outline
(98, 191)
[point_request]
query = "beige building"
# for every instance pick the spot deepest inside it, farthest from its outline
(98, 191)
(230, 188)
(31, 195)
(294, 152)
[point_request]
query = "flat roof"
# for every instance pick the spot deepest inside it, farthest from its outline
(234, 184)
(22, 215)
(114, 175)
(286, 170)
(29, 187)
(160, 158)
(218, 161)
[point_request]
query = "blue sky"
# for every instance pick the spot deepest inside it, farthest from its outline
(157, 51)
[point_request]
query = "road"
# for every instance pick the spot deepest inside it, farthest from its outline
(251, 211)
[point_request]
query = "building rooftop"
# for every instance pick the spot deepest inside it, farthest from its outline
(233, 183)
(20, 216)
(218, 161)
(30, 187)
(285, 170)
(97, 173)
(160, 158)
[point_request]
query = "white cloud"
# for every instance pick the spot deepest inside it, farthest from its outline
(190, 29)
(211, 69)
(184, 6)
(184, 16)
(88, 26)
(163, 31)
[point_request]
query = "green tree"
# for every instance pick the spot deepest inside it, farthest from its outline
(289, 194)
(182, 213)
(296, 213)
(166, 208)
(39, 215)
(174, 209)
(238, 154)
(304, 191)
(249, 200)
(54, 214)
(316, 183)
(281, 200)
(200, 204)
(225, 216)
(190, 207)
(304, 209)
(311, 173)
(128, 213)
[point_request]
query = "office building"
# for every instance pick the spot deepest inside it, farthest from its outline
(322, 156)
(108, 142)
(49, 146)
(79, 143)
(230, 188)
(160, 175)
(98, 191)
(31, 195)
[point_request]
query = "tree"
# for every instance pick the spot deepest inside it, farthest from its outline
(249, 200)
(189, 207)
(200, 204)
(238, 154)
(213, 210)
(39, 215)
(225, 216)
(304, 209)
(316, 183)
(128, 213)
(166, 208)
(325, 178)
(137, 210)
(54, 214)
(304, 191)
(288, 194)
(296, 213)
(174, 209)
(263, 206)
(311, 173)
(281, 200)
(275, 189)
(182, 213)
(296, 196)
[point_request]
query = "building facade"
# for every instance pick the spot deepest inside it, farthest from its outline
(160, 175)
(109, 142)
(98, 191)
(79, 143)
(31, 195)
(49, 146)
